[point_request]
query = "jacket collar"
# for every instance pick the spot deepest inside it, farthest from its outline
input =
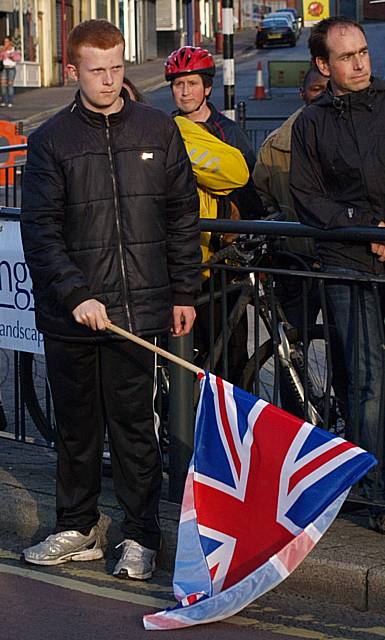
(281, 137)
(352, 100)
(96, 119)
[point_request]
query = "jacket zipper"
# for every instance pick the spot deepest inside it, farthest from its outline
(118, 226)
(375, 264)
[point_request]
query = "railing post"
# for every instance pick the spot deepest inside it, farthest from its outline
(181, 416)
(241, 114)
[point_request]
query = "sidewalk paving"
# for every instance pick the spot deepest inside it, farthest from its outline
(347, 567)
(33, 106)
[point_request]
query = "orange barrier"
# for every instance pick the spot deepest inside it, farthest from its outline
(9, 135)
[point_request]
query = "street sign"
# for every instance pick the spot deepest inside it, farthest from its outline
(315, 11)
(17, 319)
(287, 73)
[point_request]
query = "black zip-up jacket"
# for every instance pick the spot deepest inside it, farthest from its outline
(338, 170)
(110, 211)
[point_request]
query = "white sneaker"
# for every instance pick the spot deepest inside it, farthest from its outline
(136, 562)
(10, 104)
(65, 546)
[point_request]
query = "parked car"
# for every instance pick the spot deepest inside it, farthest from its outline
(275, 31)
(287, 14)
(295, 15)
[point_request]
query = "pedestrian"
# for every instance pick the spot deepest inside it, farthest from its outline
(337, 181)
(191, 71)
(110, 227)
(219, 169)
(271, 177)
(9, 56)
(272, 169)
(133, 91)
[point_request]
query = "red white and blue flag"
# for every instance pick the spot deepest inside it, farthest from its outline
(262, 488)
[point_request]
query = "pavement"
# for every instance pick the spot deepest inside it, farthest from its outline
(33, 106)
(347, 567)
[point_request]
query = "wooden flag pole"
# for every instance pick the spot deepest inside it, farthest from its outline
(152, 347)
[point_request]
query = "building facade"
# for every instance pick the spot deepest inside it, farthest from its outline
(39, 29)
(20, 19)
(151, 28)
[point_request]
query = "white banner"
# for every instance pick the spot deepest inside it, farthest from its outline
(17, 314)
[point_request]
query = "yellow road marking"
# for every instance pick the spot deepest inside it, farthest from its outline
(76, 585)
(160, 603)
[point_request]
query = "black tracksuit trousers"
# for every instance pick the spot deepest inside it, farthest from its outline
(95, 386)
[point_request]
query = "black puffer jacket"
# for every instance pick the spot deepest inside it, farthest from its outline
(110, 211)
(338, 170)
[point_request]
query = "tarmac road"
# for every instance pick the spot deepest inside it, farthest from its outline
(78, 601)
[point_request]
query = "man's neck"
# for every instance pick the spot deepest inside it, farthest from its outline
(338, 92)
(105, 111)
(201, 115)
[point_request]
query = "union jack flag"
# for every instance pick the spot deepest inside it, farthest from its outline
(262, 488)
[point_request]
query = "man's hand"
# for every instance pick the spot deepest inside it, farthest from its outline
(91, 313)
(182, 320)
(379, 249)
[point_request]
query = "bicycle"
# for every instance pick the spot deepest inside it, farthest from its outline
(301, 358)
(298, 358)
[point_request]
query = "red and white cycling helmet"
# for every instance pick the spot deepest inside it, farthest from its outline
(189, 60)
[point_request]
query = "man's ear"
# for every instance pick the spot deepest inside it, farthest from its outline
(208, 90)
(72, 72)
(323, 66)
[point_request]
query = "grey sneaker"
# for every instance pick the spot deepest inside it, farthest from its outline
(65, 546)
(136, 562)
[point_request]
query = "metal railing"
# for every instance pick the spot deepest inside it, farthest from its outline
(24, 393)
(11, 175)
(252, 293)
(258, 127)
(300, 364)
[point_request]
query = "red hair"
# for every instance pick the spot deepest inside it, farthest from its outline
(100, 34)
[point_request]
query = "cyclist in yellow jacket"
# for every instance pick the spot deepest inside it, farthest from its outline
(218, 168)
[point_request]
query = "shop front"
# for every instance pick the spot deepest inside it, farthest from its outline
(19, 19)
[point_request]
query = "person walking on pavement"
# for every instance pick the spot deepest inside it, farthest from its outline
(337, 180)
(110, 228)
(9, 56)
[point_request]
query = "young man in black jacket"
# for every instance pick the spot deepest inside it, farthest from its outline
(337, 180)
(110, 219)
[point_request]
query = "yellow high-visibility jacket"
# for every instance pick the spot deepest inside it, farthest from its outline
(218, 168)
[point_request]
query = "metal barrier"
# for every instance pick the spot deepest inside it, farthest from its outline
(294, 351)
(236, 296)
(259, 127)
(11, 175)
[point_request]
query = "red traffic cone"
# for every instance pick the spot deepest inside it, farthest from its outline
(259, 93)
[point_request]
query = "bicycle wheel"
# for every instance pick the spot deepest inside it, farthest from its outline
(34, 390)
(316, 378)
